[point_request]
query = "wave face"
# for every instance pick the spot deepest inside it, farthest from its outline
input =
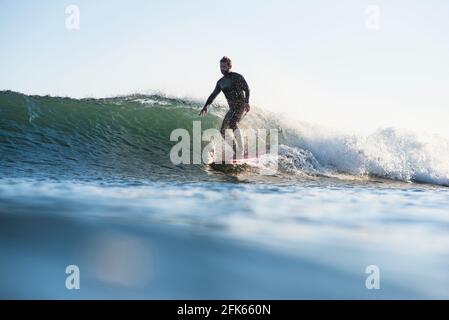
(129, 137)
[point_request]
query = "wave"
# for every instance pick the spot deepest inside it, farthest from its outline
(128, 136)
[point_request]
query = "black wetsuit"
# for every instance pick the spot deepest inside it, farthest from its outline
(236, 91)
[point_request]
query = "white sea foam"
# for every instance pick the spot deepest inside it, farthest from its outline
(392, 153)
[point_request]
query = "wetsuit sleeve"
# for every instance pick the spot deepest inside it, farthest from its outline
(213, 95)
(245, 88)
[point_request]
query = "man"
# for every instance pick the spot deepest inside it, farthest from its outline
(236, 91)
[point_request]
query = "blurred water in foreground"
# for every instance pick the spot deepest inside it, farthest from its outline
(223, 240)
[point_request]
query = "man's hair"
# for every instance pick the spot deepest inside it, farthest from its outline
(226, 60)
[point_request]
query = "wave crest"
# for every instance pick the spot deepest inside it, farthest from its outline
(129, 136)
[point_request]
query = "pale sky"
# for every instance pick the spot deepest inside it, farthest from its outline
(333, 63)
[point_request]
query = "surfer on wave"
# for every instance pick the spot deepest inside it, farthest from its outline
(236, 91)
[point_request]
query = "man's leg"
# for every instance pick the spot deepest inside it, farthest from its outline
(233, 124)
(226, 122)
(224, 126)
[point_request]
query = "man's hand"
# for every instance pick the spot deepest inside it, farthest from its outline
(203, 111)
(247, 107)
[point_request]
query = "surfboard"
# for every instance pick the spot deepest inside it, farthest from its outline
(231, 168)
(236, 166)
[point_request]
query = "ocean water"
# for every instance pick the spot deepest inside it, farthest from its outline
(89, 183)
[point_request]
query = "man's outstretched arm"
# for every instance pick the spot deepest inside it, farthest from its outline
(211, 99)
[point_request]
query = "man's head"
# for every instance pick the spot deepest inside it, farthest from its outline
(225, 65)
